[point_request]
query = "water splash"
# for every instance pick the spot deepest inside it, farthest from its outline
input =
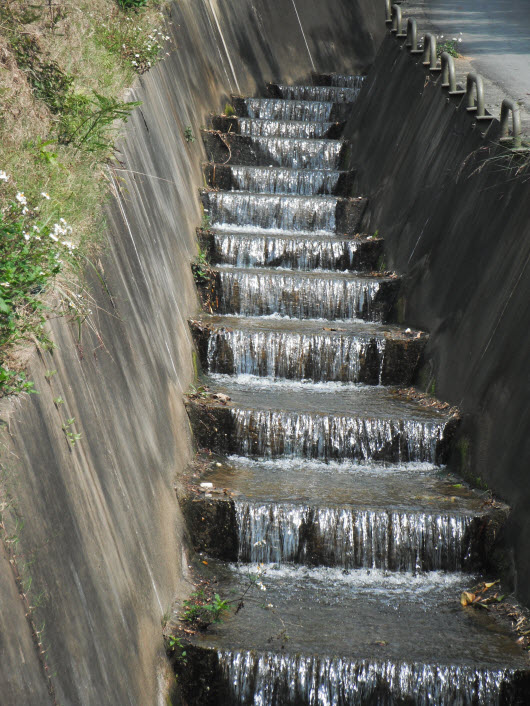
(281, 433)
(299, 153)
(307, 253)
(354, 538)
(297, 296)
(267, 211)
(284, 181)
(281, 354)
(277, 679)
(279, 109)
(333, 94)
(283, 128)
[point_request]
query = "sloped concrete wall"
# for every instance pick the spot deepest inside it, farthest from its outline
(103, 538)
(456, 220)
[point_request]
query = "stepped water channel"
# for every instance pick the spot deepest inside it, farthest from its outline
(320, 468)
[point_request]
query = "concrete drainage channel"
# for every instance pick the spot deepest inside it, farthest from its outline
(319, 503)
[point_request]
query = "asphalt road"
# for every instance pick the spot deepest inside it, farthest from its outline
(495, 38)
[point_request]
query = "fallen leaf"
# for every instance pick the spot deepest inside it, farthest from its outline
(467, 598)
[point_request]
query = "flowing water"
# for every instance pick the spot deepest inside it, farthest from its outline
(251, 292)
(267, 211)
(278, 679)
(296, 251)
(283, 128)
(335, 495)
(353, 538)
(278, 109)
(300, 153)
(278, 180)
(333, 94)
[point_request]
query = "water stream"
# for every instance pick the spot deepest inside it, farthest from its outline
(284, 180)
(335, 493)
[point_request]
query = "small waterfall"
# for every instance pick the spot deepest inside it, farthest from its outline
(346, 81)
(286, 354)
(281, 433)
(333, 94)
(282, 128)
(306, 253)
(233, 208)
(353, 538)
(285, 181)
(265, 293)
(276, 679)
(278, 109)
(298, 153)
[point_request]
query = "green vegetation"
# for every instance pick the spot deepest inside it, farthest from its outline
(202, 272)
(65, 66)
(202, 612)
(229, 110)
(449, 46)
(188, 134)
(132, 4)
(72, 436)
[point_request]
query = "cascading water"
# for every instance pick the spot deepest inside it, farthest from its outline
(300, 153)
(353, 538)
(335, 505)
(280, 354)
(313, 297)
(278, 109)
(277, 679)
(285, 212)
(334, 94)
(283, 128)
(280, 433)
(290, 252)
(279, 180)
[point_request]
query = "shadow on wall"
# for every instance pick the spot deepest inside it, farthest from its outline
(103, 538)
(456, 221)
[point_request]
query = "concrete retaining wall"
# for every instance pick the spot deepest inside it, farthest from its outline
(456, 220)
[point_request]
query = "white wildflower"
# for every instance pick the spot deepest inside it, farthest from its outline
(45, 195)
(3, 176)
(21, 198)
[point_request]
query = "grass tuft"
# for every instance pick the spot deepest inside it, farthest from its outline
(65, 68)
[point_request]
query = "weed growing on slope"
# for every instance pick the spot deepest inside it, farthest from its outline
(449, 46)
(32, 253)
(132, 4)
(136, 46)
(88, 122)
(61, 79)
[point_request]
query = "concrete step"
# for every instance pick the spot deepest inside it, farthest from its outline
(308, 350)
(229, 148)
(278, 180)
(293, 251)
